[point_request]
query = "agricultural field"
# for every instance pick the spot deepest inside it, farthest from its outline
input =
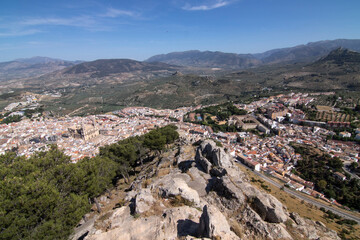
(340, 100)
(332, 116)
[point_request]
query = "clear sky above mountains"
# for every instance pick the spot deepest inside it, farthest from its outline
(138, 29)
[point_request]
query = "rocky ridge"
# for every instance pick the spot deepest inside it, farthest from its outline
(198, 194)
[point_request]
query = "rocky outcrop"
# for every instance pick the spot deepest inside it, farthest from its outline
(143, 201)
(297, 219)
(308, 229)
(269, 209)
(230, 196)
(213, 154)
(168, 224)
(207, 198)
(171, 187)
(202, 161)
(214, 224)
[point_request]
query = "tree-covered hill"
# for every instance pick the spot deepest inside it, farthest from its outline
(45, 196)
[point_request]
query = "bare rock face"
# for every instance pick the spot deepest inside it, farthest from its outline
(170, 224)
(214, 155)
(172, 187)
(278, 231)
(297, 219)
(214, 224)
(269, 209)
(231, 196)
(143, 201)
(312, 230)
(203, 162)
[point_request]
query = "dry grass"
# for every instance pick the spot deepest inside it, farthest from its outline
(146, 183)
(179, 201)
(305, 210)
(163, 171)
(236, 228)
(155, 210)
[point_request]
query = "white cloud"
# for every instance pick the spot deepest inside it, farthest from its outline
(92, 22)
(82, 21)
(113, 12)
(205, 7)
(19, 33)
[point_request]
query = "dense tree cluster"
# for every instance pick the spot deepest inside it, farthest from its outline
(45, 196)
(320, 169)
(10, 119)
(222, 113)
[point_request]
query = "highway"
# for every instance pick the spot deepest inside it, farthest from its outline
(342, 213)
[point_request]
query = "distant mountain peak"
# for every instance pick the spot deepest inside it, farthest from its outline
(342, 55)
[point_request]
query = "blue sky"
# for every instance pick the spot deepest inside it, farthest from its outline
(138, 29)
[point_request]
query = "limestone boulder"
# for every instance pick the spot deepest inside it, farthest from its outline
(269, 208)
(202, 161)
(297, 219)
(143, 201)
(177, 186)
(170, 224)
(231, 195)
(214, 154)
(214, 224)
(278, 231)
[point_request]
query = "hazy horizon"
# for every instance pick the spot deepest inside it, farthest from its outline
(91, 29)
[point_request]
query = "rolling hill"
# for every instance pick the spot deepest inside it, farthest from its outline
(103, 71)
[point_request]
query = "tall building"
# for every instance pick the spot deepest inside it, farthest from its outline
(85, 131)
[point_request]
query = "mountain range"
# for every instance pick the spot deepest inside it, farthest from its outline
(37, 66)
(116, 83)
(31, 67)
(301, 53)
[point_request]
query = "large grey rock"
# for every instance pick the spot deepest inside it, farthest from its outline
(269, 209)
(297, 219)
(313, 230)
(172, 187)
(261, 229)
(85, 229)
(278, 231)
(214, 224)
(198, 181)
(231, 195)
(143, 201)
(202, 161)
(130, 195)
(254, 223)
(221, 159)
(216, 155)
(171, 224)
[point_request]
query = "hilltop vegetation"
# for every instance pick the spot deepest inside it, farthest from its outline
(320, 169)
(213, 116)
(45, 196)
